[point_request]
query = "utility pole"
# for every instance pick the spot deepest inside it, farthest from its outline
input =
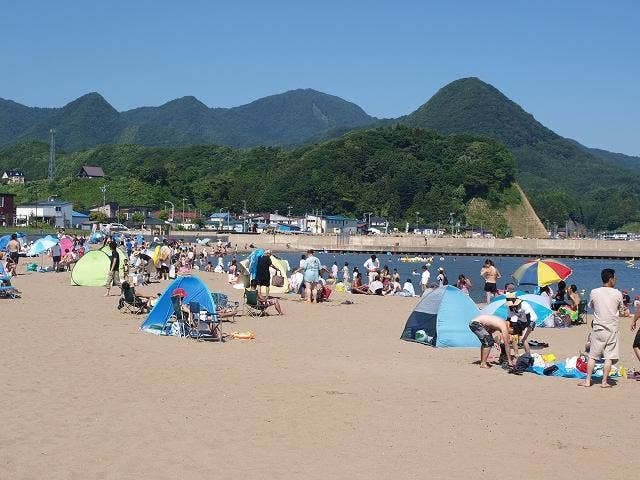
(103, 189)
(183, 200)
(417, 213)
(172, 209)
(52, 155)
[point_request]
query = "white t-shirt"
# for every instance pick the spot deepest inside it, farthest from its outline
(408, 287)
(372, 265)
(375, 285)
(606, 303)
(425, 277)
(526, 308)
(334, 271)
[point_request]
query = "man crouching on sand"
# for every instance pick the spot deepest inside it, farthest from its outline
(484, 326)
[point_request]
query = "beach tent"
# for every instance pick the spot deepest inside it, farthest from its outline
(279, 263)
(92, 268)
(498, 307)
(444, 315)
(197, 291)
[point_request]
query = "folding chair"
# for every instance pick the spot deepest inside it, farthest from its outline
(6, 289)
(178, 315)
(205, 325)
(128, 302)
(252, 307)
(582, 313)
(224, 309)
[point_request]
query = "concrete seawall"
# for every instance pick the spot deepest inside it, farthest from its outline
(409, 244)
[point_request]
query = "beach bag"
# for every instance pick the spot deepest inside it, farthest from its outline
(277, 281)
(178, 329)
(523, 362)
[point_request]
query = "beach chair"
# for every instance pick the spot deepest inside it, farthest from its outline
(128, 302)
(178, 315)
(582, 313)
(204, 325)
(6, 289)
(225, 310)
(253, 307)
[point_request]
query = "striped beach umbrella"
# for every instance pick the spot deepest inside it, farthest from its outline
(541, 272)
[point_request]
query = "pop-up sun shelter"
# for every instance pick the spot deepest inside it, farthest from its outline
(92, 268)
(444, 315)
(158, 317)
(279, 263)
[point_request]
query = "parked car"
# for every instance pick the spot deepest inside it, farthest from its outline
(116, 227)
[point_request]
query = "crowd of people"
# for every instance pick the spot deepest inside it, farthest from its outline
(147, 261)
(607, 303)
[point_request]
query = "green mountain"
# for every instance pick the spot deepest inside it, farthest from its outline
(561, 178)
(394, 171)
(625, 161)
(286, 119)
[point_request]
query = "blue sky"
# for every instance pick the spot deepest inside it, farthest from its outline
(573, 64)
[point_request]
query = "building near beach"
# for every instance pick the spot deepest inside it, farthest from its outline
(13, 176)
(91, 172)
(7, 210)
(57, 213)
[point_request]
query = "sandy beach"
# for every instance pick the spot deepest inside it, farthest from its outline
(325, 391)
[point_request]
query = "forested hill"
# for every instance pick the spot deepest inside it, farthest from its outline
(561, 178)
(393, 172)
(285, 119)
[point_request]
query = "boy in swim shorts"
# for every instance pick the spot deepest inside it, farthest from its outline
(484, 326)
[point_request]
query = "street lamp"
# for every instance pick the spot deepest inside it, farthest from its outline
(417, 213)
(173, 209)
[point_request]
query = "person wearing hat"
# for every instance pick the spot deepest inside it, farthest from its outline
(180, 294)
(522, 320)
(442, 278)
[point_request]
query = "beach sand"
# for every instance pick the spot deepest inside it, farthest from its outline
(325, 391)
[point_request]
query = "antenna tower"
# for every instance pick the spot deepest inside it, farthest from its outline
(52, 155)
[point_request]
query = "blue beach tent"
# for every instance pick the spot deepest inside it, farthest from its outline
(197, 291)
(444, 315)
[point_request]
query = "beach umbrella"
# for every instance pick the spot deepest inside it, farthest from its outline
(42, 245)
(499, 308)
(541, 272)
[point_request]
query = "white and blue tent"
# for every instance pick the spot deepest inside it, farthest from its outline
(444, 315)
(158, 318)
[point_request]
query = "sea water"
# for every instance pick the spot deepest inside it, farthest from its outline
(586, 272)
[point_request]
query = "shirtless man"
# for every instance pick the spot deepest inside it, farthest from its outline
(13, 249)
(484, 326)
(491, 275)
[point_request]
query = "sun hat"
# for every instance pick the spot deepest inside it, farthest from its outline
(512, 300)
(179, 292)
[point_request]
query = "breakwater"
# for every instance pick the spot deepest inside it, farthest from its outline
(414, 244)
